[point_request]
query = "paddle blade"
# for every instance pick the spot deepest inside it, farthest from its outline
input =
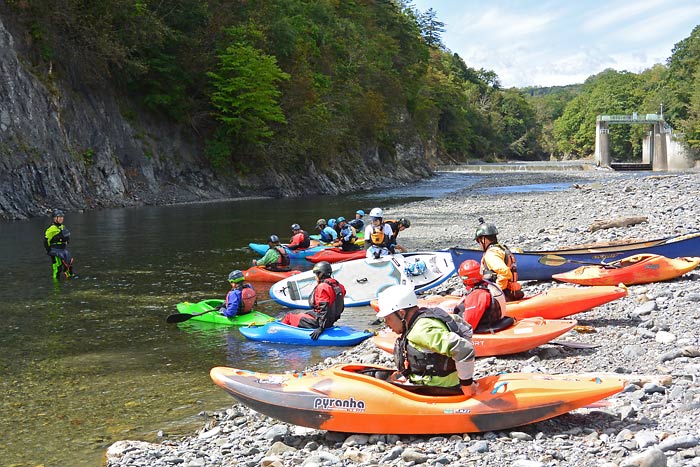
(178, 317)
(553, 260)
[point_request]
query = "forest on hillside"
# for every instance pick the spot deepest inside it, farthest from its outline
(279, 82)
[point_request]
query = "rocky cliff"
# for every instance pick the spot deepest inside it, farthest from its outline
(67, 144)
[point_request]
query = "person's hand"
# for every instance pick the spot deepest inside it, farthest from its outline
(255, 262)
(469, 390)
(317, 332)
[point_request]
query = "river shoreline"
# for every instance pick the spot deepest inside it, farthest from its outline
(649, 338)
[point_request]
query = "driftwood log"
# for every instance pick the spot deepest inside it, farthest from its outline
(622, 222)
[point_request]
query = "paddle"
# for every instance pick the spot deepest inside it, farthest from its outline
(555, 260)
(182, 317)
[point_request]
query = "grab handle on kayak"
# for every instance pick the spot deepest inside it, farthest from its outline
(361, 281)
(499, 386)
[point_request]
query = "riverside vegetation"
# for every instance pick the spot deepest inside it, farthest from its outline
(132, 102)
(649, 338)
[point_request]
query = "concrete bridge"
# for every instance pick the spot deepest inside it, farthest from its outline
(660, 149)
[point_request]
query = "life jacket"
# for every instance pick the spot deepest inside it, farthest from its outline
(335, 309)
(283, 261)
(60, 239)
(359, 224)
(490, 275)
(247, 302)
(248, 297)
(307, 240)
(410, 360)
(378, 237)
(487, 316)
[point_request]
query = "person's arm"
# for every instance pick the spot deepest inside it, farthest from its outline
(434, 336)
(234, 299)
(270, 256)
(495, 261)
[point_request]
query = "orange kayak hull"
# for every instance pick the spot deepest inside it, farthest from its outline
(260, 274)
(637, 269)
(344, 399)
(553, 303)
(522, 336)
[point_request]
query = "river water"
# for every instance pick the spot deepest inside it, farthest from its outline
(87, 362)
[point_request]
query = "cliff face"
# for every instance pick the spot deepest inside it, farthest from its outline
(64, 144)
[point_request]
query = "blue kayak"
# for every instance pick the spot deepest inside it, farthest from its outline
(530, 268)
(279, 333)
(261, 249)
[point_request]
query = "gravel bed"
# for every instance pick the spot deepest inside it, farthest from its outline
(650, 338)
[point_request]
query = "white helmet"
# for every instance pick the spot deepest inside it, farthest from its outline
(376, 212)
(395, 298)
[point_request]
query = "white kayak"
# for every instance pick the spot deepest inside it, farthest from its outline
(364, 278)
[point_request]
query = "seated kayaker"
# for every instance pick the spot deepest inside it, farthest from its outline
(300, 238)
(275, 258)
(434, 347)
(347, 235)
(498, 262)
(240, 299)
(328, 234)
(358, 223)
(327, 302)
(483, 303)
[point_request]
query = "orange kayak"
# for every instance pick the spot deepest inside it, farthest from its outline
(637, 269)
(520, 337)
(348, 398)
(553, 303)
(260, 274)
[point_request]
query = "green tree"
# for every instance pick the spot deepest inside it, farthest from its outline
(246, 95)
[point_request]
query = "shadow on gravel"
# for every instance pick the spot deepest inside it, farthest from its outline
(608, 322)
(574, 423)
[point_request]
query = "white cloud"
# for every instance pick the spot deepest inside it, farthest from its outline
(556, 43)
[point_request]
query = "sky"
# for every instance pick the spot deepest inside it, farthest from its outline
(554, 43)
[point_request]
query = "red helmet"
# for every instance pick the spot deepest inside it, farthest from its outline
(470, 272)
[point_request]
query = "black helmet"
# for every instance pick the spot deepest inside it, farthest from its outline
(405, 222)
(323, 269)
(274, 239)
(296, 227)
(485, 229)
(235, 276)
(57, 213)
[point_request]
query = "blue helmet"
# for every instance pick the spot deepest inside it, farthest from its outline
(360, 212)
(340, 219)
(331, 223)
(57, 213)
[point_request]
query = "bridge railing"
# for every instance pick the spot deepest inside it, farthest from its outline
(634, 118)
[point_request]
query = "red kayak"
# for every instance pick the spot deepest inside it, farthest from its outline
(336, 255)
(260, 274)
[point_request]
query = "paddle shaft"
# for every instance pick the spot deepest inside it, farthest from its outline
(556, 260)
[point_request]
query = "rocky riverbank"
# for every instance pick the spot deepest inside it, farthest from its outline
(650, 338)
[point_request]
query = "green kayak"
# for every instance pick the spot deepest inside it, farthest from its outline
(254, 318)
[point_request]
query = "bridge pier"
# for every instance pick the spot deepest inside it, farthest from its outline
(660, 150)
(602, 144)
